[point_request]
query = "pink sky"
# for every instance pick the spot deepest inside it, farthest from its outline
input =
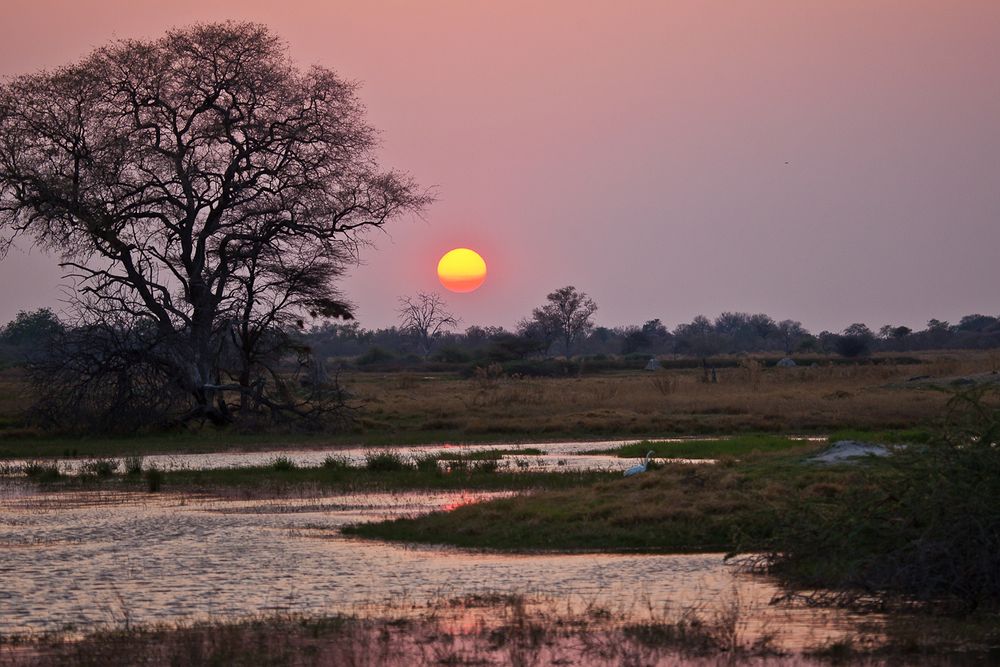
(831, 162)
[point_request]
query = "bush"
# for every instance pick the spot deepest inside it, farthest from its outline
(927, 529)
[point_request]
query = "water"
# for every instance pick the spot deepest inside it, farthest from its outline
(87, 559)
(557, 456)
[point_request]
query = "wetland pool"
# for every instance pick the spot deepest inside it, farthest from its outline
(91, 559)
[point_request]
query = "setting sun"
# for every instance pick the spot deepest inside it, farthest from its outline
(462, 270)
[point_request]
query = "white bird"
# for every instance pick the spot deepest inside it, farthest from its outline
(635, 470)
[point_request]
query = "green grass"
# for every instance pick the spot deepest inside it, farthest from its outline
(678, 508)
(887, 437)
(737, 446)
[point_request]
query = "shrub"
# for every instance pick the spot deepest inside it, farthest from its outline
(927, 529)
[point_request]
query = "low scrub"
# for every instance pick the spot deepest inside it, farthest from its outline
(925, 531)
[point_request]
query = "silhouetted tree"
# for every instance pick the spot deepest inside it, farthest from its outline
(856, 341)
(791, 333)
(566, 317)
(424, 317)
(31, 328)
(202, 184)
(977, 323)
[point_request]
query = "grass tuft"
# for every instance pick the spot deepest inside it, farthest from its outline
(281, 463)
(387, 461)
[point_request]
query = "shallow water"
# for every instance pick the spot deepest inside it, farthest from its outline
(109, 558)
(557, 456)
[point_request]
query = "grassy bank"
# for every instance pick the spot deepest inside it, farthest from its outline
(678, 508)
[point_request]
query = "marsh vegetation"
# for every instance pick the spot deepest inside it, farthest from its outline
(821, 529)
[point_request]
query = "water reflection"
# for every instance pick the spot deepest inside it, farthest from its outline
(566, 456)
(94, 558)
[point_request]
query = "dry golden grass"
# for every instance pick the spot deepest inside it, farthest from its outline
(413, 407)
(748, 398)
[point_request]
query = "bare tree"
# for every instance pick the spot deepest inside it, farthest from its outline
(202, 184)
(566, 317)
(424, 317)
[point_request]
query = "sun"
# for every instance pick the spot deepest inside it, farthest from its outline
(461, 270)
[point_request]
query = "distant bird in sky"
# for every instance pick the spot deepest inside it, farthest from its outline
(635, 470)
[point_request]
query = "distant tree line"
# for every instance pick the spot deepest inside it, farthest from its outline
(563, 327)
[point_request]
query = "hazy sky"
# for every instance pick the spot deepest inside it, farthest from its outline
(830, 161)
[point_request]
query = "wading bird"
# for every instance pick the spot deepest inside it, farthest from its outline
(635, 470)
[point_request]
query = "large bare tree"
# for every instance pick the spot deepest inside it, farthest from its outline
(201, 183)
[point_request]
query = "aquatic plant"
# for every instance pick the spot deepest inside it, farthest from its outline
(133, 465)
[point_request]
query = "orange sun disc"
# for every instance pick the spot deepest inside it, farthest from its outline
(462, 270)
